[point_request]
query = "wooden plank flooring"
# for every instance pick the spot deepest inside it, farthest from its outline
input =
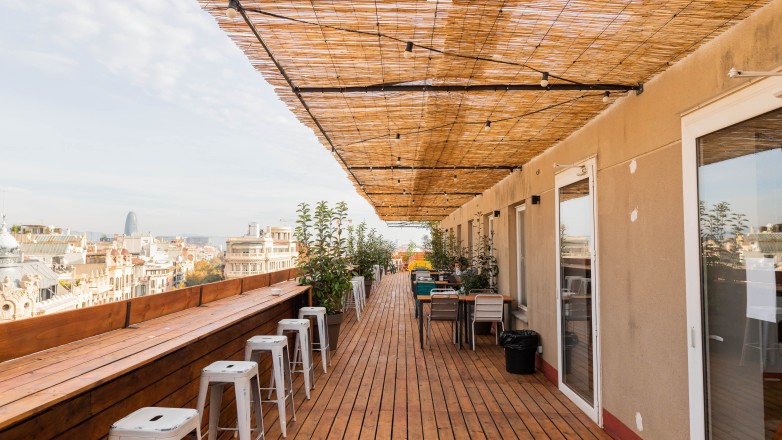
(382, 385)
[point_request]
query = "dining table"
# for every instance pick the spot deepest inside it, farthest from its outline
(465, 302)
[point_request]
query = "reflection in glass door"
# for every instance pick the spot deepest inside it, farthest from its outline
(740, 201)
(576, 268)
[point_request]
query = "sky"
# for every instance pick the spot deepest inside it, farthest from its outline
(146, 105)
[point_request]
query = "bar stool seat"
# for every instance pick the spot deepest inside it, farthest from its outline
(280, 374)
(156, 423)
(323, 335)
(303, 346)
(243, 376)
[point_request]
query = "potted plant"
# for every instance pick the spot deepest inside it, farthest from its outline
(361, 254)
(323, 259)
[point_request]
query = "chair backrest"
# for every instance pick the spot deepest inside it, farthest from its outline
(479, 291)
(425, 279)
(444, 290)
(424, 287)
(445, 306)
(488, 307)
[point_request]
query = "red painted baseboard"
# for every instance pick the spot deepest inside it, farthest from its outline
(547, 370)
(616, 429)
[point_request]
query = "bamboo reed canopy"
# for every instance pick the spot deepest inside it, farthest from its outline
(426, 104)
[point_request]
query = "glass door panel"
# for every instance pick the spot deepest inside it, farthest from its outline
(576, 284)
(740, 201)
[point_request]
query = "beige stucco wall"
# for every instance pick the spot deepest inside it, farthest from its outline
(641, 264)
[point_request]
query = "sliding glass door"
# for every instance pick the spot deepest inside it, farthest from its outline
(577, 287)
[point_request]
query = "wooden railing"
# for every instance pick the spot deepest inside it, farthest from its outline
(26, 336)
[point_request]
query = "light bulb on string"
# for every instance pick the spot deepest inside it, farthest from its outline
(606, 97)
(487, 127)
(409, 50)
(233, 6)
(544, 80)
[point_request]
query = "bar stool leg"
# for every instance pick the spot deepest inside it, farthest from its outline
(215, 405)
(256, 393)
(325, 347)
(242, 411)
(203, 387)
(309, 373)
(289, 376)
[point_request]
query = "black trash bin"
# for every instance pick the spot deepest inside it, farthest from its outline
(520, 347)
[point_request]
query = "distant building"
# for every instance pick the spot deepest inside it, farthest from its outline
(131, 224)
(260, 252)
(18, 292)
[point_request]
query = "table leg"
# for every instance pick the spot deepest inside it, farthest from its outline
(420, 324)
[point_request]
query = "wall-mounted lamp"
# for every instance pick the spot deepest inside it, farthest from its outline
(496, 213)
(536, 200)
(560, 166)
(735, 73)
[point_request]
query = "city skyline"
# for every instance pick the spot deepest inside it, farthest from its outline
(149, 107)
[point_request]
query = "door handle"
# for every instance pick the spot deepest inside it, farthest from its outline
(717, 338)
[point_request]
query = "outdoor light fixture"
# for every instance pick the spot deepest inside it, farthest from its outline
(496, 213)
(606, 97)
(536, 200)
(409, 50)
(544, 80)
(735, 73)
(487, 127)
(561, 166)
(233, 6)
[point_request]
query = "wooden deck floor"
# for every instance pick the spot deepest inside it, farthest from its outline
(382, 385)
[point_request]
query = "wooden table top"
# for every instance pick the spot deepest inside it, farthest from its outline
(34, 383)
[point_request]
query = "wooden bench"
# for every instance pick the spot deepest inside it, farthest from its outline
(79, 389)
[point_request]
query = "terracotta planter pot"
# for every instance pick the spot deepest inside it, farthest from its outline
(333, 322)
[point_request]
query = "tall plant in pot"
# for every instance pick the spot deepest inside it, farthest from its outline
(322, 244)
(361, 254)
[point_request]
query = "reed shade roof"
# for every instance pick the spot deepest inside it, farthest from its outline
(584, 41)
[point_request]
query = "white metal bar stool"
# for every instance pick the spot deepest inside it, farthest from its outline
(281, 371)
(302, 329)
(156, 423)
(323, 335)
(353, 300)
(362, 292)
(244, 377)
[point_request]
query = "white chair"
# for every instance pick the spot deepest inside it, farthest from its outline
(488, 308)
(302, 329)
(243, 376)
(319, 313)
(157, 423)
(281, 371)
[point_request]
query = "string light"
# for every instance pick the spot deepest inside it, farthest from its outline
(409, 50)
(398, 136)
(607, 97)
(487, 127)
(233, 5)
(398, 161)
(544, 80)
(455, 178)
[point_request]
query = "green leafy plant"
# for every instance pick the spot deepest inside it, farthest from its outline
(367, 249)
(323, 244)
